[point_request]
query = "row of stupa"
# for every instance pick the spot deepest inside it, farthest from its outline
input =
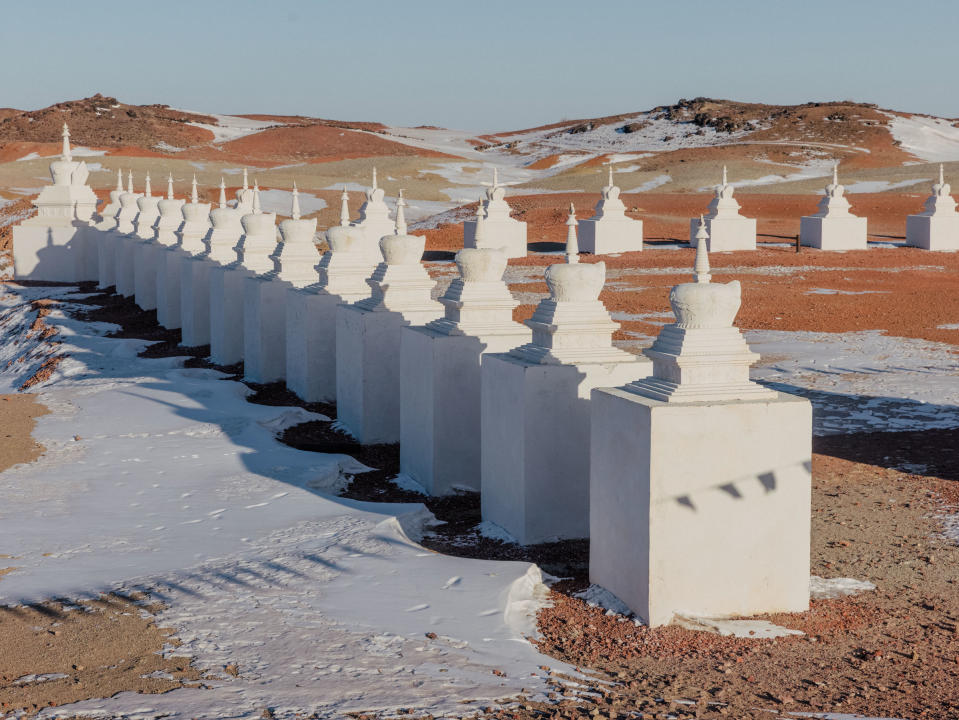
(691, 480)
(53, 245)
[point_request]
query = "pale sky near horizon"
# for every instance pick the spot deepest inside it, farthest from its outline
(492, 65)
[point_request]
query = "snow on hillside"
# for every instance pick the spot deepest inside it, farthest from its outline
(231, 127)
(162, 478)
(929, 139)
(649, 132)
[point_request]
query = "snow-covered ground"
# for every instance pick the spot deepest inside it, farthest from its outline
(163, 478)
(281, 201)
(929, 139)
(231, 127)
(864, 381)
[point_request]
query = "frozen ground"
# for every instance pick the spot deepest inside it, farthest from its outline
(162, 478)
(862, 382)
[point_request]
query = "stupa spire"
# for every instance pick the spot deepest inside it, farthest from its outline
(295, 209)
(701, 267)
(147, 191)
(835, 173)
(572, 243)
(130, 181)
(119, 180)
(400, 215)
(256, 198)
(65, 153)
(725, 181)
(246, 182)
(169, 186)
(495, 177)
(194, 197)
(374, 177)
(344, 207)
(222, 193)
(610, 174)
(942, 179)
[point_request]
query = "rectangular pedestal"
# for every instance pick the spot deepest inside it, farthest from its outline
(226, 314)
(700, 509)
(52, 253)
(839, 233)
(195, 301)
(106, 259)
(145, 274)
(610, 236)
(125, 247)
(726, 234)
(510, 235)
(264, 329)
(168, 288)
(368, 371)
(933, 232)
(440, 434)
(311, 345)
(535, 443)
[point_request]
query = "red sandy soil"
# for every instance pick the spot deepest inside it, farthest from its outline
(910, 303)
(309, 143)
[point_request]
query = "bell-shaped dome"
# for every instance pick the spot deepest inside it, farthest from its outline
(402, 249)
(481, 264)
(577, 282)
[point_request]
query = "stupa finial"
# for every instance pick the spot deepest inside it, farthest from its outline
(610, 163)
(65, 153)
(246, 182)
(222, 193)
(194, 196)
(480, 232)
(147, 190)
(495, 177)
(169, 186)
(835, 173)
(701, 267)
(400, 215)
(295, 209)
(257, 210)
(344, 207)
(374, 177)
(130, 181)
(942, 178)
(119, 180)
(572, 242)
(725, 181)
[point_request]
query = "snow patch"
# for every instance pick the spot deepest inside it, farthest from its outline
(651, 184)
(406, 482)
(753, 629)
(231, 127)
(489, 529)
(828, 588)
(929, 139)
(596, 596)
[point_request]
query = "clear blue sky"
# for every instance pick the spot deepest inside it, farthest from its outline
(490, 65)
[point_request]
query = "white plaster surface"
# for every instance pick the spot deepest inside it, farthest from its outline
(833, 227)
(264, 328)
(226, 313)
(609, 230)
(717, 532)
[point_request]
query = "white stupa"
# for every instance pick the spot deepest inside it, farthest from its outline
(937, 226)
(244, 196)
(535, 400)
(105, 241)
(374, 220)
(265, 296)
(501, 230)
(125, 240)
(833, 227)
(171, 216)
(368, 336)
(440, 366)
(57, 244)
(609, 230)
(144, 266)
(726, 228)
(342, 277)
(704, 510)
